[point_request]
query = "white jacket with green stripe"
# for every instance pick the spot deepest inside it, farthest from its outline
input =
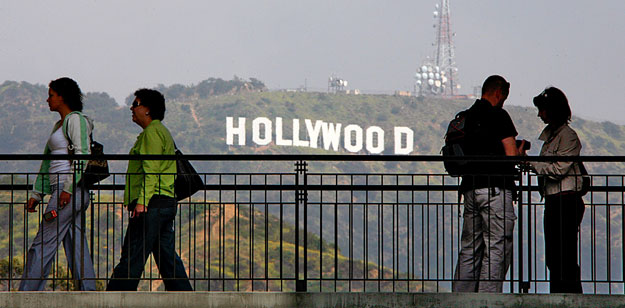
(77, 128)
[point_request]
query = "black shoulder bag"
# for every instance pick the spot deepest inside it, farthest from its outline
(97, 169)
(188, 181)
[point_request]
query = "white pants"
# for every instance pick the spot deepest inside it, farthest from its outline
(66, 227)
(486, 244)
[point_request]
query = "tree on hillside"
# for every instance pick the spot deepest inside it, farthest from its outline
(257, 84)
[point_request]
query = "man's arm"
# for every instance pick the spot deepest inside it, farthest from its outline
(509, 145)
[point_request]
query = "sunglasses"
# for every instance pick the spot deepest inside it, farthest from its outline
(135, 104)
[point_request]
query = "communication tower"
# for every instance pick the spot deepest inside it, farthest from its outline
(336, 84)
(438, 75)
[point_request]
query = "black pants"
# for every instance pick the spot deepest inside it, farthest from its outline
(151, 232)
(563, 215)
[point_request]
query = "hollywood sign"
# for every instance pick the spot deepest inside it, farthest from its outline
(319, 134)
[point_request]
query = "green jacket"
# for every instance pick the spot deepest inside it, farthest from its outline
(146, 178)
(76, 127)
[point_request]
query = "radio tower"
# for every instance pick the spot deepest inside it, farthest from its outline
(439, 75)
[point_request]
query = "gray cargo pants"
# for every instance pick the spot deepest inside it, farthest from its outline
(50, 234)
(486, 244)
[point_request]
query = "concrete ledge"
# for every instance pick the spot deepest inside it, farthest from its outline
(312, 300)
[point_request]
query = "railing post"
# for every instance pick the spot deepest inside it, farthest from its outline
(77, 280)
(301, 199)
(520, 235)
(530, 228)
(523, 285)
(92, 203)
(11, 232)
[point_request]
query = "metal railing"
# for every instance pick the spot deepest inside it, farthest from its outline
(314, 229)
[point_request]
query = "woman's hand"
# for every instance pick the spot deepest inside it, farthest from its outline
(64, 199)
(139, 209)
(31, 206)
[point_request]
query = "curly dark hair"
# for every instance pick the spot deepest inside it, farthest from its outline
(153, 100)
(69, 90)
(553, 101)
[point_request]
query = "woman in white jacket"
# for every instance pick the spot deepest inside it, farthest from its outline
(60, 179)
(562, 182)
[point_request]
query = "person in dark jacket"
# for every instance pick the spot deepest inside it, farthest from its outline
(488, 190)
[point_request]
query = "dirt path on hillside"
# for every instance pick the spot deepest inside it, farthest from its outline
(228, 214)
(194, 115)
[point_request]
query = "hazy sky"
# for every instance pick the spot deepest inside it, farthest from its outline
(119, 46)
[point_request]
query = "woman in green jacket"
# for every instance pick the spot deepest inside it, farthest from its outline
(149, 196)
(60, 179)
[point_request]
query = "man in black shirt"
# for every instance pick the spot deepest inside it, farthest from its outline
(488, 189)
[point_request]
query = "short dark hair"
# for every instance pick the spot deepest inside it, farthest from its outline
(494, 83)
(153, 100)
(69, 90)
(553, 101)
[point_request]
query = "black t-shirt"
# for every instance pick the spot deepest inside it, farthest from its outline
(487, 126)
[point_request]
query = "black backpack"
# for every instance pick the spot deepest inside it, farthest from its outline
(457, 144)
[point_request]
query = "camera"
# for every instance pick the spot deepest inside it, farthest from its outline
(527, 145)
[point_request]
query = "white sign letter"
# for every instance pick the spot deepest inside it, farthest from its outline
(266, 139)
(296, 141)
(401, 131)
(379, 133)
(279, 140)
(331, 135)
(349, 146)
(313, 132)
(231, 131)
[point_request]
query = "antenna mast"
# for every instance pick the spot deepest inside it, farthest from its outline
(439, 75)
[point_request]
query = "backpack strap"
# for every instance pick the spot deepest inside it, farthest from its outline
(70, 147)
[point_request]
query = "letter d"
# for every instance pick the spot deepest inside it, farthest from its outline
(399, 132)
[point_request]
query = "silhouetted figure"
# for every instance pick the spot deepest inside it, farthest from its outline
(488, 189)
(561, 183)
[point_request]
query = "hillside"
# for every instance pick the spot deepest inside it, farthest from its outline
(196, 116)
(221, 242)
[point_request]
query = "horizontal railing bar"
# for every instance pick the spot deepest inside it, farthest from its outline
(311, 157)
(316, 187)
(339, 279)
